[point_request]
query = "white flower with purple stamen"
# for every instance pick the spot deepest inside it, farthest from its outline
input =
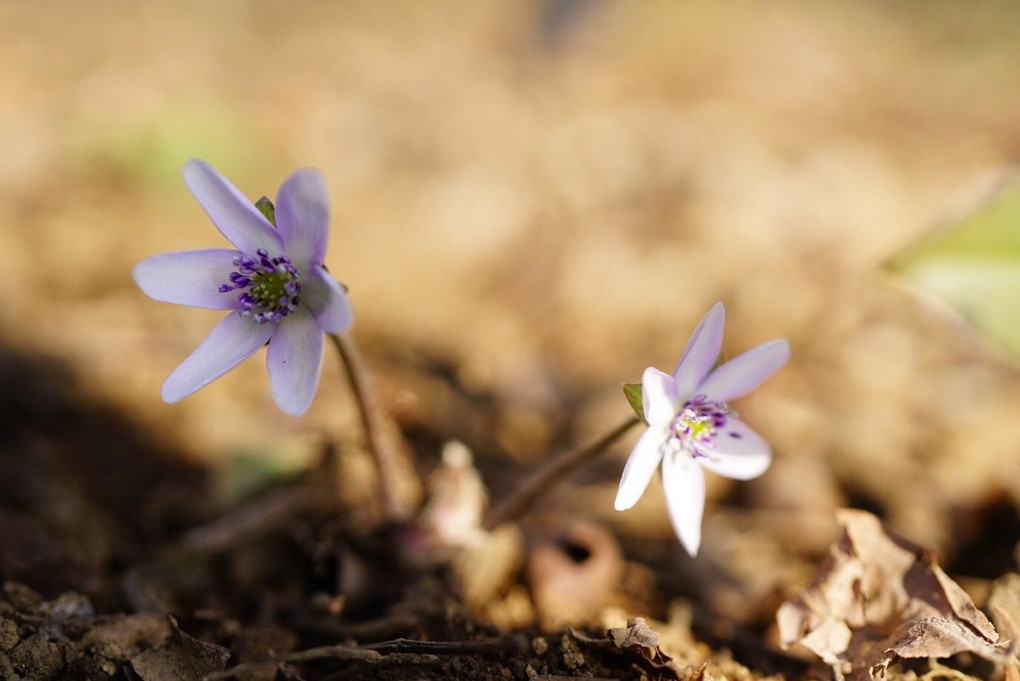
(691, 426)
(274, 284)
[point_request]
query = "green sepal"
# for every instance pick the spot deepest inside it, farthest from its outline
(633, 392)
(267, 209)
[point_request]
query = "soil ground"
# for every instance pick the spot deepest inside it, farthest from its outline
(530, 203)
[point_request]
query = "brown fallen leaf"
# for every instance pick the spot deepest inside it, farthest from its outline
(640, 643)
(1004, 603)
(637, 635)
(932, 637)
(179, 657)
(879, 598)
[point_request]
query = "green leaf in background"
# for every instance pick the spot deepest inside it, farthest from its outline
(974, 265)
(152, 149)
(245, 474)
(633, 393)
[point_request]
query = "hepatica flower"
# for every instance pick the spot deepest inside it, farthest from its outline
(691, 426)
(273, 283)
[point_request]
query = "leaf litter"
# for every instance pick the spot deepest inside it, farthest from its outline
(879, 599)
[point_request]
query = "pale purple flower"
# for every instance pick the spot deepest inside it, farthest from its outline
(691, 426)
(274, 285)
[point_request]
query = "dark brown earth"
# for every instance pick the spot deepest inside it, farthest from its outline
(117, 563)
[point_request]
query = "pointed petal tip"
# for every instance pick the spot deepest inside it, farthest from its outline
(170, 396)
(746, 372)
(659, 396)
(294, 410)
(785, 345)
(174, 389)
(302, 216)
(191, 164)
(690, 539)
(626, 497)
(237, 218)
(231, 342)
(196, 172)
(621, 503)
(701, 352)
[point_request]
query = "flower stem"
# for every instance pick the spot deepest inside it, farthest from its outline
(387, 453)
(546, 477)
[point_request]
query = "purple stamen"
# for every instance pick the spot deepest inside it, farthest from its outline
(693, 430)
(269, 287)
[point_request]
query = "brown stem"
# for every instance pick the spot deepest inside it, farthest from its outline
(390, 461)
(543, 479)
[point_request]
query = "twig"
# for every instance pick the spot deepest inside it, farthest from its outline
(560, 677)
(400, 650)
(492, 645)
(543, 479)
(274, 511)
(376, 629)
(338, 652)
(389, 460)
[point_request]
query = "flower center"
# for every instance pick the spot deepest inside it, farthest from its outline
(692, 431)
(269, 287)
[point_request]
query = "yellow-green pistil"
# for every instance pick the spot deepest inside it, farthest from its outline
(693, 429)
(270, 287)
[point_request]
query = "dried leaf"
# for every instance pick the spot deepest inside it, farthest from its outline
(457, 500)
(879, 598)
(928, 637)
(1004, 603)
(180, 657)
(641, 643)
(639, 636)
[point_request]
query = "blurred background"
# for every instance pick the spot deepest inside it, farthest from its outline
(532, 202)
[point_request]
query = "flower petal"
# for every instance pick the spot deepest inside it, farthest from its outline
(742, 453)
(188, 278)
(640, 468)
(294, 361)
(684, 486)
(743, 374)
(232, 213)
(701, 352)
(302, 215)
(232, 341)
(327, 300)
(659, 396)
